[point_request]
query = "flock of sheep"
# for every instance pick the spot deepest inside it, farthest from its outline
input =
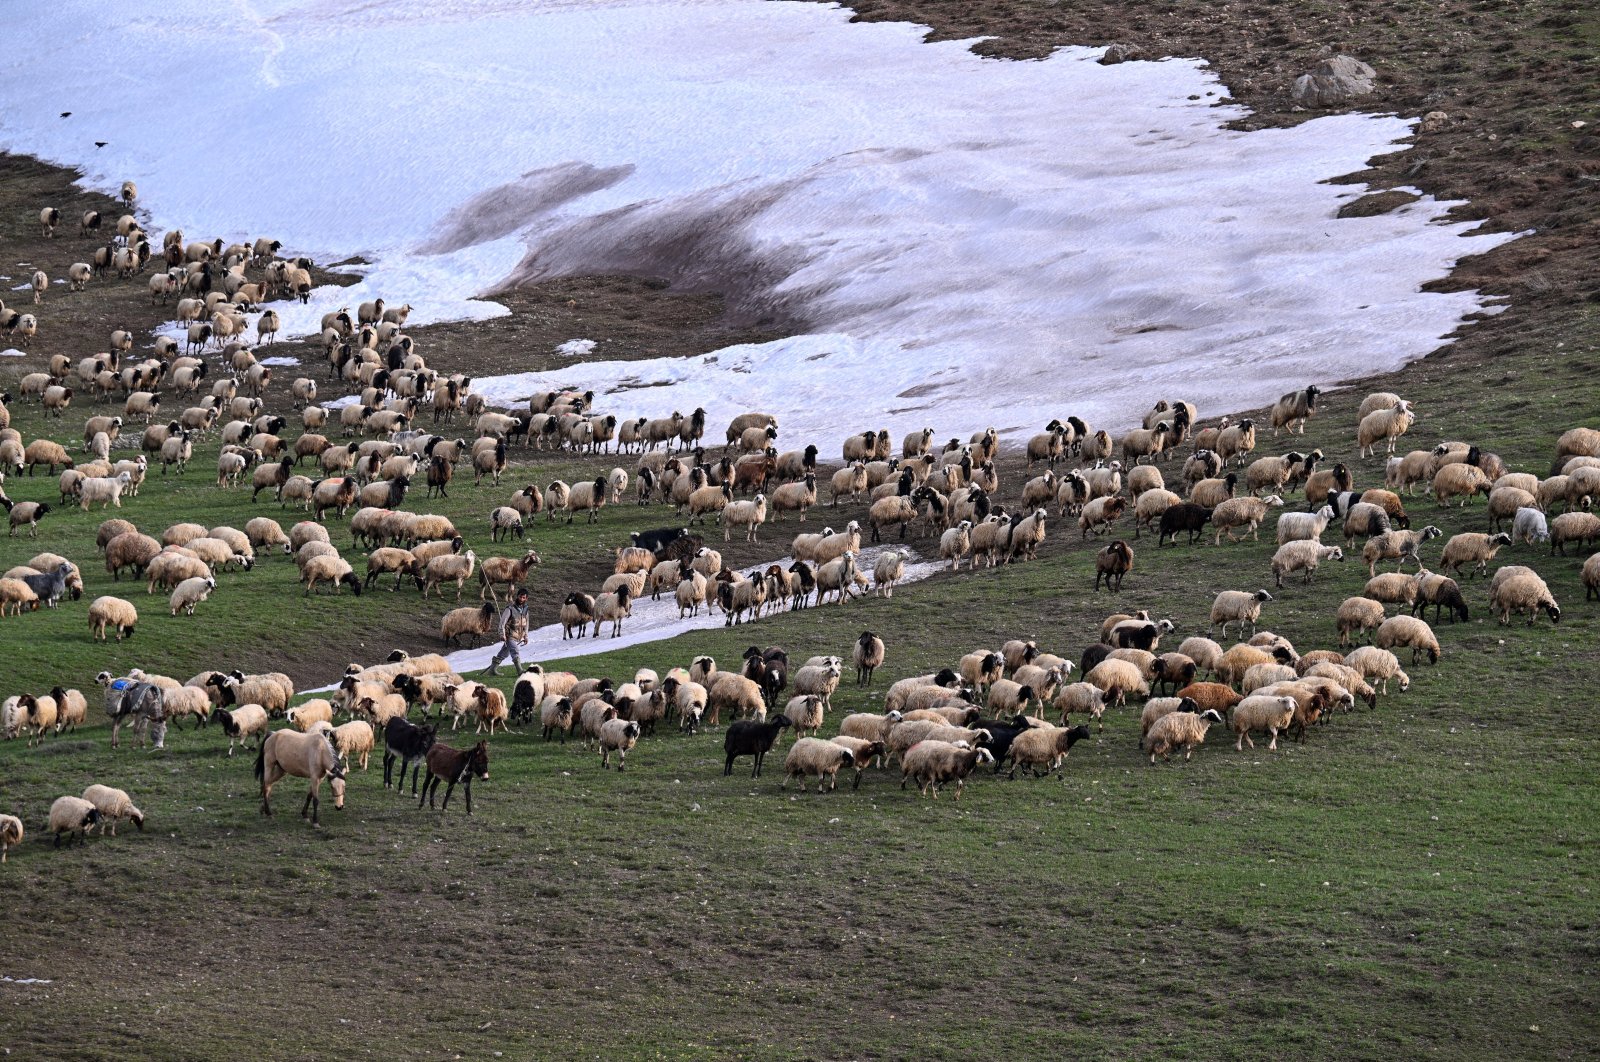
(368, 455)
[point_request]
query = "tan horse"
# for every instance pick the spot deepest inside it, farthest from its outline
(309, 755)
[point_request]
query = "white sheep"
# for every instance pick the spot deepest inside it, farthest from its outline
(1530, 527)
(189, 593)
(1302, 556)
(114, 805)
(73, 816)
(1299, 527)
(1272, 714)
(1522, 590)
(1385, 426)
(1234, 607)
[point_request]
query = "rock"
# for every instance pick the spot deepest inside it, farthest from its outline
(1376, 203)
(1334, 81)
(1433, 122)
(1118, 53)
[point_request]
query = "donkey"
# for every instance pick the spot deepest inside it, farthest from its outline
(409, 743)
(138, 704)
(310, 755)
(456, 765)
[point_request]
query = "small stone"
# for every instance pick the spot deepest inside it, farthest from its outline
(1118, 53)
(1433, 122)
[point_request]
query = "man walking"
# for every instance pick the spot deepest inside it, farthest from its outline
(513, 632)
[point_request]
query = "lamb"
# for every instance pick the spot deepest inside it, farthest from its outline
(1397, 631)
(1236, 607)
(933, 763)
(1047, 747)
(1273, 714)
(1520, 591)
(11, 832)
(72, 815)
(1398, 545)
(490, 705)
(1385, 426)
(1302, 556)
(749, 515)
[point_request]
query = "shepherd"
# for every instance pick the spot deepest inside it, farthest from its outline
(513, 632)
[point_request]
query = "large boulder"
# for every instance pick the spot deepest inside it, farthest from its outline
(1334, 81)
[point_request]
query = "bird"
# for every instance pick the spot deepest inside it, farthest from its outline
(66, 114)
(101, 143)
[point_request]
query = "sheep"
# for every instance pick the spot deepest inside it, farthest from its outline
(1397, 545)
(1520, 591)
(1273, 714)
(748, 737)
(1237, 607)
(1364, 519)
(189, 593)
(114, 805)
(1302, 556)
(1529, 527)
(836, 576)
(44, 452)
(353, 739)
(72, 815)
(11, 831)
(1398, 631)
(1118, 678)
(1294, 408)
(450, 567)
(1460, 480)
(1372, 663)
(866, 726)
(1383, 425)
(1159, 707)
(1301, 527)
(104, 490)
(333, 570)
(749, 515)
(1146, 442)
(1179, 729)
(1441, 592)
(1234, 441)
(1591, 578)
(1582, 528)
(807, 712)
(867, 654)
(1392, 588)
(1081, 698)
(617, 735)
(818, 681)
(1047, 747)
(1358, 614)
(1098, 514)
(613, 608)
(305, 717)
(934, 762)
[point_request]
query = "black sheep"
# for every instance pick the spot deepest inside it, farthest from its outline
(750, 738)
(1186, 516)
